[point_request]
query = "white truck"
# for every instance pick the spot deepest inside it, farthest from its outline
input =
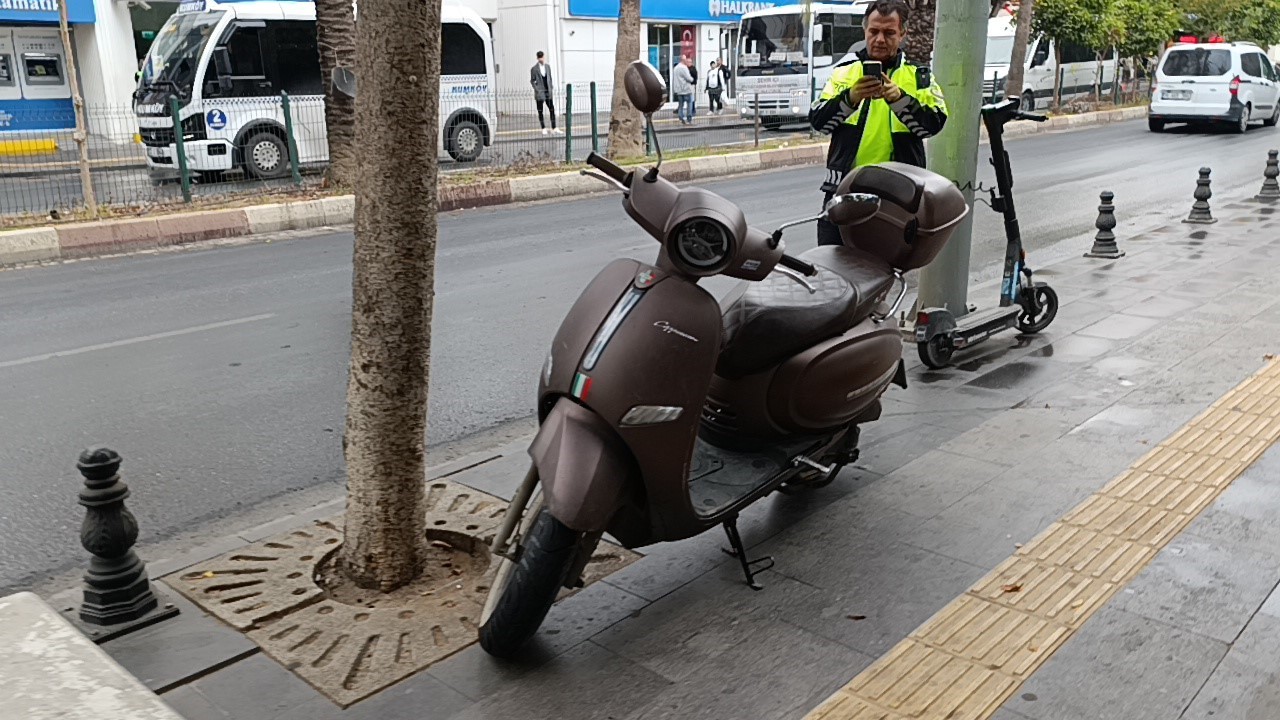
(227, 62)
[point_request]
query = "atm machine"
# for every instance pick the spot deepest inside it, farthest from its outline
(35, 93)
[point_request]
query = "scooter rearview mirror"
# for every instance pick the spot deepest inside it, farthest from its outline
(851, 208)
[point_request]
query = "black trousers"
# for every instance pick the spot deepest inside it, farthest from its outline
(828, 233)
(713, 98)
(551, 109)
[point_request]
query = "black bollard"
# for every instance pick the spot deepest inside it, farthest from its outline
(1104, 243)
(117, 593)
(1200, 208)
(1270, 187)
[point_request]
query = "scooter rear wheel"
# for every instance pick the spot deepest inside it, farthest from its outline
(1046, 300)
(530, 585)
(936, 352)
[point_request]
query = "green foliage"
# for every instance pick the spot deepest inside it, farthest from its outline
(1147, 24)
(1250, 20)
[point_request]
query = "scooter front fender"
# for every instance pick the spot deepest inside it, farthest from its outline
(585, 470)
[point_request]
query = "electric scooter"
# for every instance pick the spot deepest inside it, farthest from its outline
(1026, 304)
(664, 413)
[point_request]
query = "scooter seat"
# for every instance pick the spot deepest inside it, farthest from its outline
(768, 321)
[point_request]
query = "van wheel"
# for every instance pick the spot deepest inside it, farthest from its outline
(1028, 101)
(1275, 117)
(266, 156)
(1155, 125)
(1243, 126)
(466, 141)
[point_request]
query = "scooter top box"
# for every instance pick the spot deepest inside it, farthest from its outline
(918, 211)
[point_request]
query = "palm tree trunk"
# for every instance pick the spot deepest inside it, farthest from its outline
(336, 38)
(397, 123)
(921, 27)
(1018, 58)
(626, 126)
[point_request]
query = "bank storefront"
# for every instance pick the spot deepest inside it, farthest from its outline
(35, 92)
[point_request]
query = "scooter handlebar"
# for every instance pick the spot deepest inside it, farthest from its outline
(1030, 116)
(608, 167)
(798, 265)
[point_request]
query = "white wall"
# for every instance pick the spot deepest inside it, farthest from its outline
(588, 50)
(107, 65)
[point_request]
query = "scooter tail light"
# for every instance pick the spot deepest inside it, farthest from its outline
(1235, 86)
(651, 415)
(922, 318)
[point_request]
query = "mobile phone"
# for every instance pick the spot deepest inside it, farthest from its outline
(873, 68)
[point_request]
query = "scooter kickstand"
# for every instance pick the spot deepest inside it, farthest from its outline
(750, 568)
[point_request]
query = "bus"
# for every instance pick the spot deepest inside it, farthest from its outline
(786, 54)
(228, 61)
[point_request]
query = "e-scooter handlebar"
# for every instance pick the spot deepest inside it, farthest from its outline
(1029, 116)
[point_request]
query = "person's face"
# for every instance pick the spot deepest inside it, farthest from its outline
(542, 61)
(884, 36)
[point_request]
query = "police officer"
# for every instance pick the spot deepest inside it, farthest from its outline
(874, 119)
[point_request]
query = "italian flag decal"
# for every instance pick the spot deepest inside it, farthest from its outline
(581, 386)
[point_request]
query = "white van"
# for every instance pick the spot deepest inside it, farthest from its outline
(1233, 83)
(1079, 67)
(226, 63)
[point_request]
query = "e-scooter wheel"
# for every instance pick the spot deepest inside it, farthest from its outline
(526, 590)
(936, 352)
(1039, 308)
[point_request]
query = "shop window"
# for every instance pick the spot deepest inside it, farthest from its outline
(42, 69)
(6, 70)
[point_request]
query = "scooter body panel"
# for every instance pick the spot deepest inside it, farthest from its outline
(636, 338)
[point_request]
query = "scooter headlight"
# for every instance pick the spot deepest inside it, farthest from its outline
(701, 246)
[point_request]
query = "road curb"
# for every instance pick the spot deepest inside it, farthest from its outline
(80, 240)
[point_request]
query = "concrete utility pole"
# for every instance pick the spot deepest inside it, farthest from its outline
(959, 54)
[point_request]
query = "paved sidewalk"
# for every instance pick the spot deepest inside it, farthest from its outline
(966, 467)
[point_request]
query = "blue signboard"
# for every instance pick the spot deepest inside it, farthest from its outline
(708, 11)
(215, 119)
(45, 11)
(36, 115)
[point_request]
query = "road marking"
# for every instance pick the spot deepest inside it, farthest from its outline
(134, 340)
(972, 656)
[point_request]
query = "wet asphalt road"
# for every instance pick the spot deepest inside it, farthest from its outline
(220, 374)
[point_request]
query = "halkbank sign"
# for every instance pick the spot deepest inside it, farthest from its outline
(709, 11)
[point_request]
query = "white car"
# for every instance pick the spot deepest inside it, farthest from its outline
(1233, 83)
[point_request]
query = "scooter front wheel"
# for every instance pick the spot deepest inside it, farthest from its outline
(936, 352)
(1040, 307)
(524, 591)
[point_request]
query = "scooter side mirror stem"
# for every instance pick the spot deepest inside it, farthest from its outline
(652, 175)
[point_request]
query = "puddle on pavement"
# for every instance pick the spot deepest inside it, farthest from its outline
(1011, 376)
(1199, 235)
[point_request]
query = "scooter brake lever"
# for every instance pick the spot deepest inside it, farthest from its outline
(797, 277)
(605, 178)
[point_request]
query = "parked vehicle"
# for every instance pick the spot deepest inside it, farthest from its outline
(1234, 84)
(1078, 67)
(228, 61)
(663, 415)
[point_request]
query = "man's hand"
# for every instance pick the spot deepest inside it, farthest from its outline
(867, 88)
(890, 92)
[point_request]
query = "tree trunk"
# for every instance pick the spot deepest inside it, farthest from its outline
(626, 126)
(81, 134)
(336, 38)
(921, 27)
(1018, 59)
(397, 123)
(1097, 83)
(1057, 76)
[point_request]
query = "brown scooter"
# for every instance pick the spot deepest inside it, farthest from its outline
(663, 415)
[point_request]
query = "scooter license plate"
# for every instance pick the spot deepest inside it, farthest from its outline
(921, 334)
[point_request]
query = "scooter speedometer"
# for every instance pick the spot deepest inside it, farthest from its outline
(701, 245)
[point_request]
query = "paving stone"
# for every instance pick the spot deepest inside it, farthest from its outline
(1120, 327)
(886, 451)
(1247, 513)
(1075, 348)
(1161, 306)
(420, 696)
(1203, 587)
(176, 650)
(587, 683)
(1013, 437)
(668, 566)
(499, 477)
(986, 527)
(191, 705)
(1119, 666)
(1246, 686)
(931, 483)
(799, 672)
(894, 586)
(1023, 377)
(256, 688)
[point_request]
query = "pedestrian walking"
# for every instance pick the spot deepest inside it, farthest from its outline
(682, 88)
(877, 116)
(717, 76)
(540, 79)
(693, 96)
